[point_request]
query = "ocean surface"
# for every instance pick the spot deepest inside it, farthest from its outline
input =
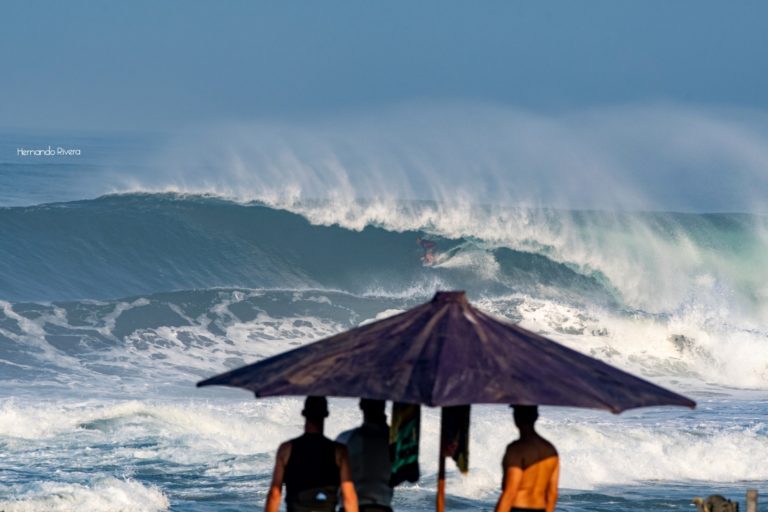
(118, 292)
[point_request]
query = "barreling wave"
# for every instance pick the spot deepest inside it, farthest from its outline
(123, 245)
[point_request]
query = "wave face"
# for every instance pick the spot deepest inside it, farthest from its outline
(125, 245)
(111, 309)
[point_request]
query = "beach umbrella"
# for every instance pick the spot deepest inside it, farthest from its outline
(448, 353)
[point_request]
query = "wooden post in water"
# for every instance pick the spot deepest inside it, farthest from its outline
(752, 500)
(441, 485)
(440, 505)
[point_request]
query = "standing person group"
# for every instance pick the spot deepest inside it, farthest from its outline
(316, 470)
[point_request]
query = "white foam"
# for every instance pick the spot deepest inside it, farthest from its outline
(687, 344)
(423, 288)
(382, 315)
(184, 433)
(481, 262)
(723, 442)
(694, 343)
(102, 495)
(180, 354)
(598, 449)
(609, 454)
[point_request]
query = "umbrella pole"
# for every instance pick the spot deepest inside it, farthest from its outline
(441, 486)
(440, 505)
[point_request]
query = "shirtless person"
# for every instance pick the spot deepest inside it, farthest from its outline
(531, 468)
(312, 467)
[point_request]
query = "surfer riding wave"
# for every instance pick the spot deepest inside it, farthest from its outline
(429, 257)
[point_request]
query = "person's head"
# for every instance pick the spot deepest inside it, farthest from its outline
(525, 415)
(373, 410)
(315, 409)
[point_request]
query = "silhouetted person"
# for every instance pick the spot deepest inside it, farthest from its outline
(531, 468)
(369, 462)
(312, 467)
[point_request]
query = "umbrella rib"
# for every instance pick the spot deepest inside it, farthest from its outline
(424, 334)
(438, 359)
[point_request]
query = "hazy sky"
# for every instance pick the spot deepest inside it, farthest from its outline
(157, 65)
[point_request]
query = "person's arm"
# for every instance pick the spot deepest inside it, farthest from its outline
(276, 487)
(510, 483)
(552, 487)
(348, 494)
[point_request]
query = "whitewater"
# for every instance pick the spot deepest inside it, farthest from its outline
(116, 298)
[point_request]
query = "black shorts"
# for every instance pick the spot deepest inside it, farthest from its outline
(371, 508)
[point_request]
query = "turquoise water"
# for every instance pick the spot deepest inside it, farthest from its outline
(116, 299)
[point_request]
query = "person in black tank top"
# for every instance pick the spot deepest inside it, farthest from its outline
(312, 467)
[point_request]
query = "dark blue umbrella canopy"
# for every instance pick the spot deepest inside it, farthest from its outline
(443, 353)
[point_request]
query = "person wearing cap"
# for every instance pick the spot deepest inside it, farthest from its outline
(369, 460)
(313, 468)
(531, 468)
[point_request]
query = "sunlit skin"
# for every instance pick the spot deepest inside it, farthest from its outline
(531, 468)
(348, 494)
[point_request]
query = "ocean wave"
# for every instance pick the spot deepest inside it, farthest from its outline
(136, 244)
(125, 245)
(164, 343)
(251, 280)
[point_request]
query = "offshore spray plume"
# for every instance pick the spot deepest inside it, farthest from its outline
(515, 178)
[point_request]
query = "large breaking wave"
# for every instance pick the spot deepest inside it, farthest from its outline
(97, 287)
(131, 244)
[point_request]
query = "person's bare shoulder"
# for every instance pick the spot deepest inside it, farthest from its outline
(284, 452)
(511, 447)
(513, 456)
(548, 447)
